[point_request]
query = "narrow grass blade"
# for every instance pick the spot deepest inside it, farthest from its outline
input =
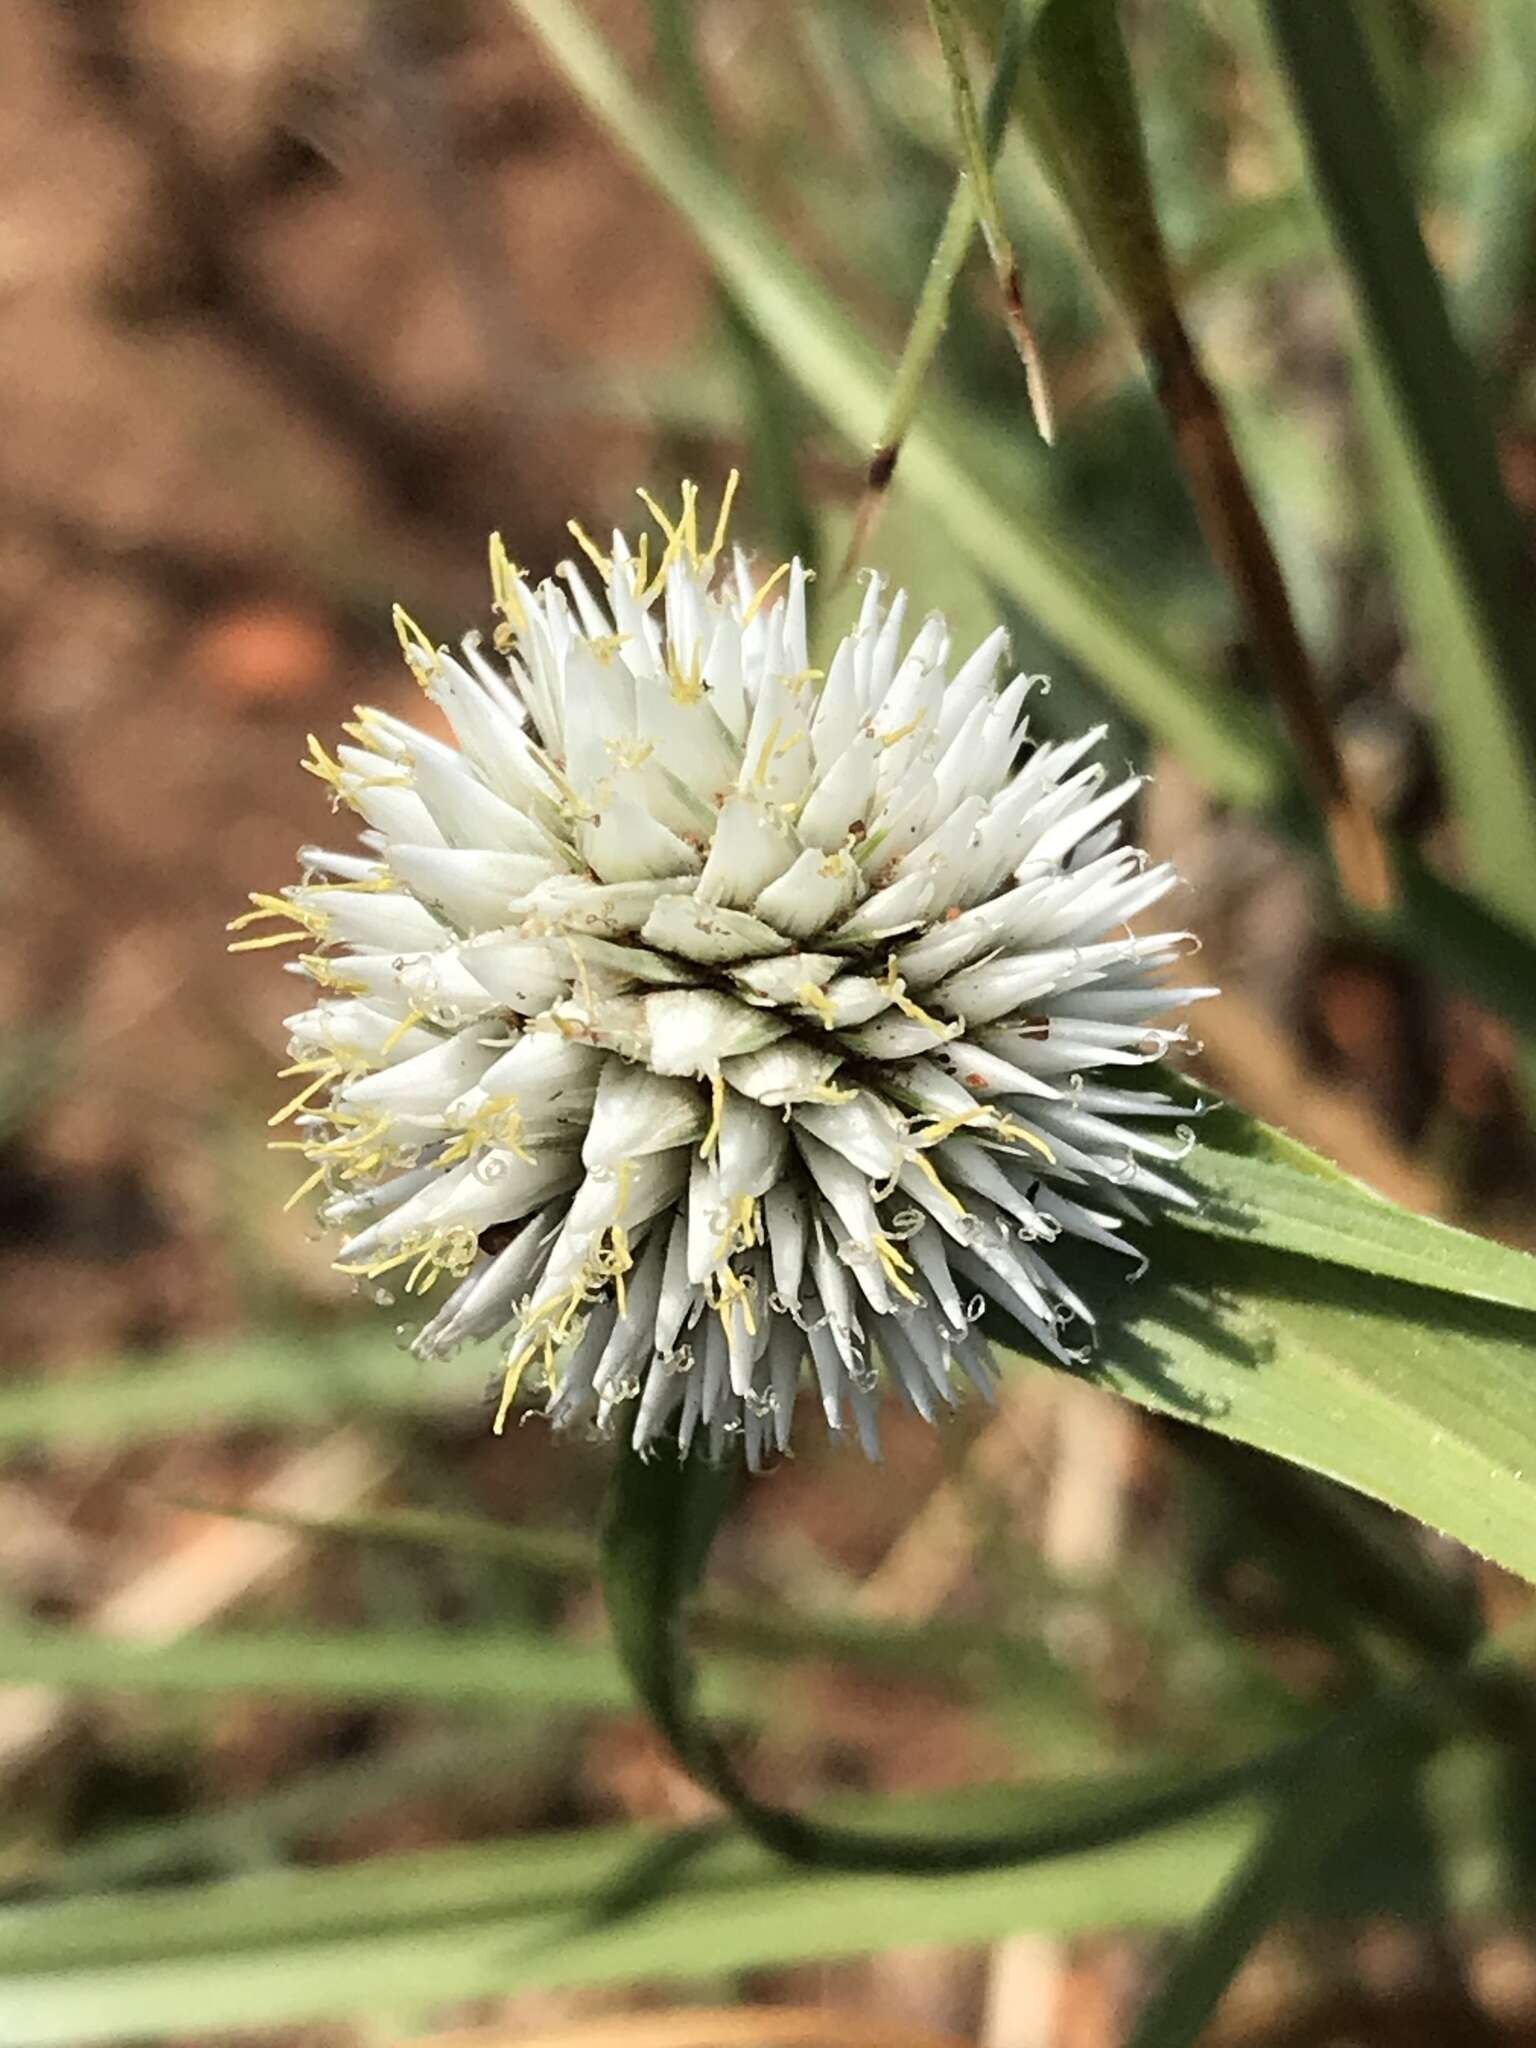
(1077, 103)
(1460, 556)
(1414, 1396)
(515, 1670)
(613, 1905)
(1260, 1187)
(977, 151)
(944, 461)
(932, 309)
(1311, 1819)
(768, 401)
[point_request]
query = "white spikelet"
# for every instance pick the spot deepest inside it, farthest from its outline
(716, 1024)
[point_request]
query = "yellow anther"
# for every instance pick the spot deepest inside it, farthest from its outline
(889, 739)
(657, 514)
(895, 1266)
(711, 1137)
(828, 1091)
(765, 758)
(743, 1228)
(926, 1166)
(310, 1088)
(817, 999)
(688, 525)
(723, 519)
(412, 639)
(317, 1063)
(310, 923)
(670, 553)
(325, 768)
(761, 595)
(265, 906)
(517, 1365)
(629, 753)
(328, 974)
(304, 1188)
(1020, 1134)
(504, 575)
(576, 805)
(945, 1126)
(687, 688)
(269, 939)
(407, 1023)
(893, 985)
(622, 1261)
(589, 547)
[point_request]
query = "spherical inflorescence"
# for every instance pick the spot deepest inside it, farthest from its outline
(711, 1021)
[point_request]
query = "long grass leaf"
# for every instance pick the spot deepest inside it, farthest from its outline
(612, 1905)
(1462, 567)
(839, 369)
(1310, 1821)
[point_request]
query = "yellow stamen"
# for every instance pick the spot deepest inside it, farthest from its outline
(926, 1166)
(717, 1113)
(723, 519)
(828, 1091)
(686, 688)
(889, 739)
(270, 939)
(407, 1023)
(305, 1187)
(895, 1265)
(765, 758)
(1021, 1134)
(589, 547)
(760, 596)
(517, 1365)
(817, 999)
(326, 769)
(896, 989)
(310, 1088)
(504, 575)
(412, 639)
(658, 515)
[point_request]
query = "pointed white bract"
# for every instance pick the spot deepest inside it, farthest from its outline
(714, 1025)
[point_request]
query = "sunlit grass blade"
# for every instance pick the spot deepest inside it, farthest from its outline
(944, 462)
(768, 400)
(977, 151)
(1414, 1396)
(289, 1378)
(613, 1905)
(515, 1670)
(932, 308)
(236, 1835)
(1078, 105)
(947, 1649)
(1259, 1186)
(1459, 553)
(1501, 200)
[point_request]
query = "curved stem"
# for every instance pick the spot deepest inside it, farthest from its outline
(663, 1516)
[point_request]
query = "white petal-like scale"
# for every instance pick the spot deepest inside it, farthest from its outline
(718, 1024)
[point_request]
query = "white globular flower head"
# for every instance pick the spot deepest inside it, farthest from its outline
(712, 1023)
